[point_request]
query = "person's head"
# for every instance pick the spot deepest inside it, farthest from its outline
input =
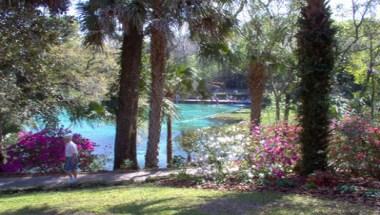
(67, 139)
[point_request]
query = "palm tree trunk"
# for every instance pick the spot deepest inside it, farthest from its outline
(189, 158)
(169, 143)
(158, 63)
(257, 80)
(169, 139)
(1, 147)
(371, 63)
(287, 107)
(126, 121)
(277, 99)
(373, 96)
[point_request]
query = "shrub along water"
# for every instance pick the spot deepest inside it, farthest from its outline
(43, 152)
(274, 151)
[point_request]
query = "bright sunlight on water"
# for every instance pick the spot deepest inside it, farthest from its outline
(191, 116)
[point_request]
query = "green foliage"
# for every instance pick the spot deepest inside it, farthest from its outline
(188, 140)
(372, 193)
(285, 183)
(178, 162)
(127, 164)
(28, 87)
(354, 147)
(316, 56)
(346, 188)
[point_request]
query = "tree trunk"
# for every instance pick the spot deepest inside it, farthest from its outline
(316, 55)
(373, 97)
(1, 147)
(277, 99)
(257, 80)
(158, 63)
(287, 107)
(169, 139)
(169, 144)
(126, 121)
(371, 63)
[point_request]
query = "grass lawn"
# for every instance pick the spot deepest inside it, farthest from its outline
(150, 199)
(268, 116)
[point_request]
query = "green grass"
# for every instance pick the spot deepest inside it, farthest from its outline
(268, 116)
(233, 117)
(149, 199)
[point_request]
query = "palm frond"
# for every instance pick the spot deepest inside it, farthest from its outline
(90, 23)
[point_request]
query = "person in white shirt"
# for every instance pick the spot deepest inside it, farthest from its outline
(72, 158)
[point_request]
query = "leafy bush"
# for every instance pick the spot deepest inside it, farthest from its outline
(127, 164)
(44, 152)
(221, 152)
(347, 188)
(270, 151)
(178, 162)
(355, 147)
(274, 150)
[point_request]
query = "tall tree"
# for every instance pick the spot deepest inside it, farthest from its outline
(180, 79)
(316, 54)
(205, 17)
(27, 88)
(268, 37)
(100, 19)
(257, 76)
(159, 31)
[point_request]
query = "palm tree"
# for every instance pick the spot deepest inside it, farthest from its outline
(180, 78)
(316, 57)
(159, 31)
(266, 33)
(257, 76)
(100, 19)
(204, 18)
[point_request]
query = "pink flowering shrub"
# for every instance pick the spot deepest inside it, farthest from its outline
(275, 150)
(44, 152)
(355, 147)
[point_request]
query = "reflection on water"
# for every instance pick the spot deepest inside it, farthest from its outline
(191, 116)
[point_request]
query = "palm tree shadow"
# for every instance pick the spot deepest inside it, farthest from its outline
(235, 203)
(42, 210)
(238, 203)
(147, 207)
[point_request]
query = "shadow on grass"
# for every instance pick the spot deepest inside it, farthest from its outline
(160, 206)
(40, 210)
(229, 204)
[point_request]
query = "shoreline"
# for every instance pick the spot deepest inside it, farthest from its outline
(211, 101)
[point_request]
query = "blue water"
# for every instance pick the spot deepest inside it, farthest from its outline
(191, 116)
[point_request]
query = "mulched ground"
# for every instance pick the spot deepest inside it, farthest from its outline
(364, 191)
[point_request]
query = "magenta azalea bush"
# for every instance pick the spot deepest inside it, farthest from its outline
(275, 150)
(44, 152)
(355, 147)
